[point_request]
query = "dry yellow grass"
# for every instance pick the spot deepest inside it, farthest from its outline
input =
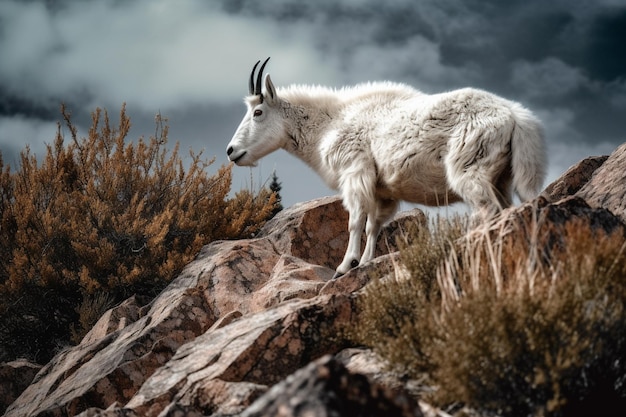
(519, 317)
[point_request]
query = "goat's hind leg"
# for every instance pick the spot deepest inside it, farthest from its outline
(484, 197)
(483, 183)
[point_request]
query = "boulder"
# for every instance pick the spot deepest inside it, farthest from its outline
(319, 236)
(597, 180)
(364, 361)
(250, 354)
(573, 179)
(606, 188)
(326, 388)
(112, 368)
(114, 319)
(15, 376)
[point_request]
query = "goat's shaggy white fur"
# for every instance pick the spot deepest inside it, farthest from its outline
(379, 143)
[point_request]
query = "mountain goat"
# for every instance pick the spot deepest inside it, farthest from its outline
(379, 143)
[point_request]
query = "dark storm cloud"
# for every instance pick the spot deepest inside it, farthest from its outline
(190, 60)
(605, 53)
(12, 103)
(493, 35)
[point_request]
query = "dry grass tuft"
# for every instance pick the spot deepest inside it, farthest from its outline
(517, 318)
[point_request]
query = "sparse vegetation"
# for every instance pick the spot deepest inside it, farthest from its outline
(512, 321)
(104, 215)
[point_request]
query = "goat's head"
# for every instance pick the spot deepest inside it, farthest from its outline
(262, 129)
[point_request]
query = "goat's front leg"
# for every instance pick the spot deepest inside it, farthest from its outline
(384, 210)
(353, 253)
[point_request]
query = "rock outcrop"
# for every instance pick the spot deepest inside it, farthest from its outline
(253, 327)
(239, 319)
(326, 388)
(15, 376)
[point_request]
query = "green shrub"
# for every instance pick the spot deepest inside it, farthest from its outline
(513, 325)
(103, 214)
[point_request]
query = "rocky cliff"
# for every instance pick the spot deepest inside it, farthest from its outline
(252, 327)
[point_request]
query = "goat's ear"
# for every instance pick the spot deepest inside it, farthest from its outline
(270, 90)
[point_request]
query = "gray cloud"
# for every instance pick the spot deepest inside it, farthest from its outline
(148, 53)
(550, 78)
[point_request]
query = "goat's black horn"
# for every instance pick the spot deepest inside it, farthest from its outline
(259, 79)
(251, 84)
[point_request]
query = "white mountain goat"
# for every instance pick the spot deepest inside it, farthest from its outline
(379, 143)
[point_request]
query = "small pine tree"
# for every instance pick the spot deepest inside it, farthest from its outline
(275, 187)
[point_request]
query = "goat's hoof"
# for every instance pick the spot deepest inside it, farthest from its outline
(353, 264)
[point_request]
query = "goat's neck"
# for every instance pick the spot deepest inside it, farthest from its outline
(305, 127)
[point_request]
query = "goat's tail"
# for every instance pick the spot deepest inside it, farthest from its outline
(528, 161)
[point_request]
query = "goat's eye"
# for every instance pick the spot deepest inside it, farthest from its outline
(257, 113)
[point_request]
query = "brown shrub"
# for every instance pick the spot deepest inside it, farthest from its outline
(102, 213)
(510, 327)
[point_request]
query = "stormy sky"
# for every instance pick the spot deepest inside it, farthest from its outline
(190, 59)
